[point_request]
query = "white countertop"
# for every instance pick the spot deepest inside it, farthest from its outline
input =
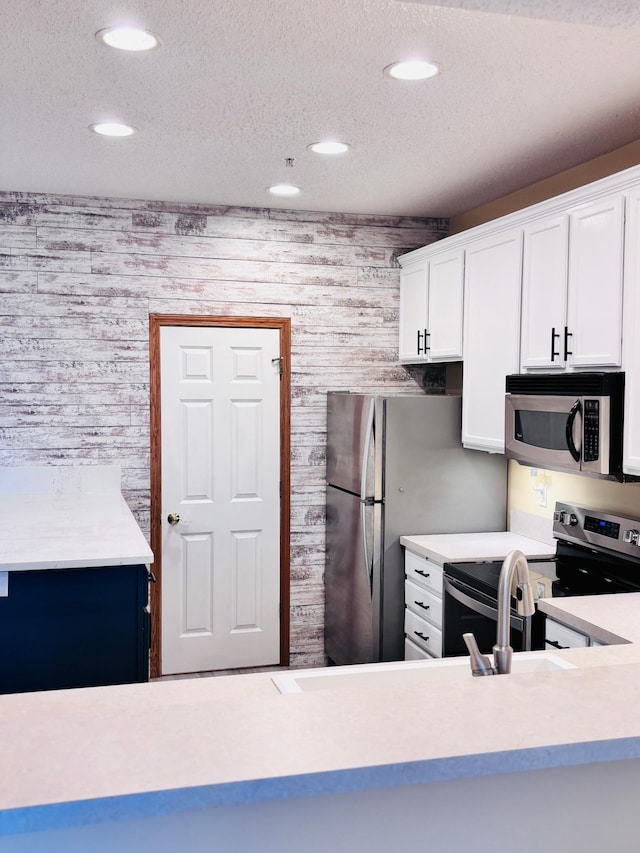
(66, 517)
(69, 530)
(212, 741)
(471, 547)
(607, 618)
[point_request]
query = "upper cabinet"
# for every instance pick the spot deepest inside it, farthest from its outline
(431, 306)
(414, 313)
(594, 307)
(631, 339)
(572, 288)
(544, 290)
(491, 336)
(545, 269)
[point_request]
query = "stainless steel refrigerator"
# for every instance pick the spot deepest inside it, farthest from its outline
(395, 466)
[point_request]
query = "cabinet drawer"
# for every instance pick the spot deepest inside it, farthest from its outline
(423, 602)
(413, 652)
(424, 572)
(423, 633)
(558, 636)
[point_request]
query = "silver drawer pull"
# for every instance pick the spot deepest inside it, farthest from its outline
(421, 635)
(424, 574)
(423, 605)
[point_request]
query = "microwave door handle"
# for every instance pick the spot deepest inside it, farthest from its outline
(576, 410)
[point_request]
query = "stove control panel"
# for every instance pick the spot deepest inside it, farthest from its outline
(600, 528)
(593, 524)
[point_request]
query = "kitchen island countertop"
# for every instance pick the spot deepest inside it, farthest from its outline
(65, 518)
(166, 747)
(69, 531)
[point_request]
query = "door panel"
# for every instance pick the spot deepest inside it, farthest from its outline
(595, 283)
(220, 416)
(544, 293)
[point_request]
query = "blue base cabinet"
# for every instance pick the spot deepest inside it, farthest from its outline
(74, 628)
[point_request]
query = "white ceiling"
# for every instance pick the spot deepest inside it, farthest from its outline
(527, 89)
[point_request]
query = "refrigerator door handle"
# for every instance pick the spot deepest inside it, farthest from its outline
(364, 462)
(364, 501)
(368, 567)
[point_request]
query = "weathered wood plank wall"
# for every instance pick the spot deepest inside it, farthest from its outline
(79, 278)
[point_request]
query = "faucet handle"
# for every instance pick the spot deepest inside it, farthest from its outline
(480, 664)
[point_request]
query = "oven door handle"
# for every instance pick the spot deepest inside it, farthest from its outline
(455, 590)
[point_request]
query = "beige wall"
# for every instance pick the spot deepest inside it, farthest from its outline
(585, 491)
(601, 167)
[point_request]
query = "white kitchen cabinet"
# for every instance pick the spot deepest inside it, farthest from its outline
(413, 652)
(594, 303)
(413, 311)
(431, 306)
(493, 270)
(544, 292)
(631, 339)
(553, 269)
(572, 288)
(559, 636)
(423, 607)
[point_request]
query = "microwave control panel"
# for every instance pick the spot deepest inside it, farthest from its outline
(591, 450)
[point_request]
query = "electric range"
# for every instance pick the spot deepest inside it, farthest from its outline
(597, 552)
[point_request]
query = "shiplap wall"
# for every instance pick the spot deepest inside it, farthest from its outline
(79, 278)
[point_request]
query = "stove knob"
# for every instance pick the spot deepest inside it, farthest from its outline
(566, 518)
(632, 537)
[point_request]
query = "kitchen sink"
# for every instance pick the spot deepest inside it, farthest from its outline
(407, 673)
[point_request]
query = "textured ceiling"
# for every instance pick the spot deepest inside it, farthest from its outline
(527, 90)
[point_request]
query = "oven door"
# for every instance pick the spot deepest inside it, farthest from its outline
(544, 431)
(467, 610)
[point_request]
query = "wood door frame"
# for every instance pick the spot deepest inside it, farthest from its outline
(156, 321)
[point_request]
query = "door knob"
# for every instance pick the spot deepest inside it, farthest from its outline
(173, 518)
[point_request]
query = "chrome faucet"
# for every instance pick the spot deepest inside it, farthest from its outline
(515, 562)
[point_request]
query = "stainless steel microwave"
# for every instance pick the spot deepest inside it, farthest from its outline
(566, 422)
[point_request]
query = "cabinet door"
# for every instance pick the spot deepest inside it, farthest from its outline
(594, 314)
(65, 628)
(631, 348)
(413, 312)
(493, 269)
(446, 288)
(544, 293)
(559, 636)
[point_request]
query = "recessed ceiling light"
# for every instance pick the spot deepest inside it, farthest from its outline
(412, 70)
(128, 38)
(284, 189)
(112, 128)
(329, 147)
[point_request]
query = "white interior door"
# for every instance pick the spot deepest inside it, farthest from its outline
(220, 428)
